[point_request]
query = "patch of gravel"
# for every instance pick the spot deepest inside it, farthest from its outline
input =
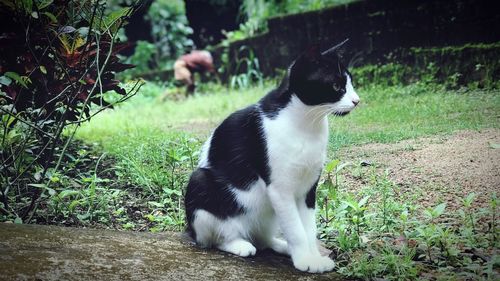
(443, 168)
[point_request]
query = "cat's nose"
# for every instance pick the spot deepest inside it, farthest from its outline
(355, 102)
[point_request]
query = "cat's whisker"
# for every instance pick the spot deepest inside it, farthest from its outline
(316, 108)
(322, 114)
(317, 113)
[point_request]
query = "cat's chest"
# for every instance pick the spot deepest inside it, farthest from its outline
(293, 148)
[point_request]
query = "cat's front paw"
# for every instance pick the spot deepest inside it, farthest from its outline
(280, 246)
(313, 263)
(239, 247)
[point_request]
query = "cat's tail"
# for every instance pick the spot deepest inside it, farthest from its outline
(196, 192)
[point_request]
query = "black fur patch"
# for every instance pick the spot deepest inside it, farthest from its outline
(313, 76)
(206, 191)
(238, 151)
(237, 158)
(277, 99)
(311, 196)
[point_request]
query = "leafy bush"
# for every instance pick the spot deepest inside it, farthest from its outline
(246, 71)
(142, 59)
(170, 32)
(58, 68)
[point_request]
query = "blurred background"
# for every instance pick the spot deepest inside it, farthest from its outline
(270, 34)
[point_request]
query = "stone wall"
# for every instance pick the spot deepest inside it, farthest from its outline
(39, 252)
(378, 30)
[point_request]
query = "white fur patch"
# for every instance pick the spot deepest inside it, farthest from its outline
(349, 100)
(203, 162)
(296, 145)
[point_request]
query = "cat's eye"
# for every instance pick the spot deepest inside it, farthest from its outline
(336, 87)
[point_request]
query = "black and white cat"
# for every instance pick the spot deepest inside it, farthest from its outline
(258, 171)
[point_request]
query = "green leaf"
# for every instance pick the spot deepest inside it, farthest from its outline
(128, 225)
(39, 185)
(44, 3)
(83, 217)
(16, 77)
(494, 145)
(469, 199)
(50, 16)
(43, 69)
(51, 191)
(404, 215)
(439, 209)
(342, 166)
(353, 204)
(363, 201)
(27, 5)
(73, 205)
(10, 119)
(331, 165)
(428, 213)
(68, 192)
(156, 204)
(114, 17)
(18, 220)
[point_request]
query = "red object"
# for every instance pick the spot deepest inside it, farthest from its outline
(199, 61)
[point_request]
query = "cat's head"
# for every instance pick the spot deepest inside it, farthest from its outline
(320, 78)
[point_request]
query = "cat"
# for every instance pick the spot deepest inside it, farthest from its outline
(258, 170)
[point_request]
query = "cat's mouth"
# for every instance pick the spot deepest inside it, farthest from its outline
(341, 113)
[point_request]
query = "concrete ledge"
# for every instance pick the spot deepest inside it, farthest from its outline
(36, 252)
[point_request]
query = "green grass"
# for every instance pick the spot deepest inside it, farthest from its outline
(153, 156)
(390, 114)
(386, 114)
(146, 129)
(376, 233)
(146, 115)
(144, 132)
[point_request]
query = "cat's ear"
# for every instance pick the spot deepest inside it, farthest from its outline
(308, 58)
(312, 54)
(305, 62)
(336, 50)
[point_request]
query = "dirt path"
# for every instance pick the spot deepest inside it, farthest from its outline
(444, 168)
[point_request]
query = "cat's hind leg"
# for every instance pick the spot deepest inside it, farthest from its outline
(214, 215)
(222, 234)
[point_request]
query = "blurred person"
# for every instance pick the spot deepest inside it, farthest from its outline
(188, 64)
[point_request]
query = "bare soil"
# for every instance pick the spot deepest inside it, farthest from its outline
(434, 169)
